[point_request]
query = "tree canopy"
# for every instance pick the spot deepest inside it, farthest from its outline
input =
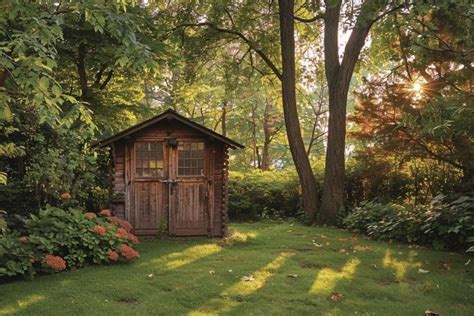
(280, 77)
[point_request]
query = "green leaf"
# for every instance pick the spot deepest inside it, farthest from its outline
(44, 83)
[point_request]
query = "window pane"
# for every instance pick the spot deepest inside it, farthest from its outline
(191, 158)
(149, 159)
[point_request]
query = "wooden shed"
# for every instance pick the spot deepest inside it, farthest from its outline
(169, 175)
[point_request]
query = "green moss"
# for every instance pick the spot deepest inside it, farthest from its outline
(294, 270)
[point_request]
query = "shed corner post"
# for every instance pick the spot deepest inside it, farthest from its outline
(225, 195)
(111, 175)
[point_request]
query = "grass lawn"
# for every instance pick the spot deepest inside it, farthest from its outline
(293, 270)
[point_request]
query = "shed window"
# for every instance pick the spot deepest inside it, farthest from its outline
(149, 162)
(191, 159)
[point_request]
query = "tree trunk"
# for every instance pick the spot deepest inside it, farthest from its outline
(267, 131)
(81, 70)
(338, 75)
(3, 77)
(303, 167)
(254, 137)
(333, 189)
(224, 118)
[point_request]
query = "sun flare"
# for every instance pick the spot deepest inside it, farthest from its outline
(417, 87)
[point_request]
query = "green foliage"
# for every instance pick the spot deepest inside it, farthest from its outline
(15, 256)
(443, 223)
(57, 57)
(369, 175)
(54, 161)
(410, 113)
(260, 194)
(3, 223)
(71, 235)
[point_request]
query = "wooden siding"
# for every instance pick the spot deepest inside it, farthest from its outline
(118, 180)
(196, 203)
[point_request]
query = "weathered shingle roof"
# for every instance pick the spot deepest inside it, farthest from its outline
(168, 114)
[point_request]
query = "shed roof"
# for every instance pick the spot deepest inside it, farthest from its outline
(168, 114)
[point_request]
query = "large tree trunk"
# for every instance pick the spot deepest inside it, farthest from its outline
(303, 167)
(333, 189)
(339, 75)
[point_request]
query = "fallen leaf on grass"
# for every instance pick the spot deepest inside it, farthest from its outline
(317, 245)
(430, 313)
(150, 275)
(212, 272)
(247, 278)
(292, 275)
(336, 296)
(423, 271)
(374, 265)
(342, 250)
(467, 262)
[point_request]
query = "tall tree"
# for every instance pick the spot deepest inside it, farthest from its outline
(224, 26)
(288, 87)
(339, 74)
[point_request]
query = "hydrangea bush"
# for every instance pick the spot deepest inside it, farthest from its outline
(63, 239)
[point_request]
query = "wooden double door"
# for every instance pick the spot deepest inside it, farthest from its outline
(170, 187)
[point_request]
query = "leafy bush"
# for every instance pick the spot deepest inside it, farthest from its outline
(16, 257)
(60, 239)
(259, 194)
(3, 223)
(54, 161)
(446, 222)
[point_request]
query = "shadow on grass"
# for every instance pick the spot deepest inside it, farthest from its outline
(232, 296)
(199, 276)
(122, 282)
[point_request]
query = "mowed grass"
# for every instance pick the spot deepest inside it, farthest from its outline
(293, 270)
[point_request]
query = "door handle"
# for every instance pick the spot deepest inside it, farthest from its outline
(169, 181)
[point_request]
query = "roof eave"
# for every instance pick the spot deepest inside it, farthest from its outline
(169, 113)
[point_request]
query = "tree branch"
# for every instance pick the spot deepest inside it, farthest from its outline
(331, 47)
(309, 20)
(98, 75)
(240, 35)
(106, 81)
(357, 38)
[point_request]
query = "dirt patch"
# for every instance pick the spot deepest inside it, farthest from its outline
(312, 265)
(304, 249)
(388, 282)
(128, 301)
